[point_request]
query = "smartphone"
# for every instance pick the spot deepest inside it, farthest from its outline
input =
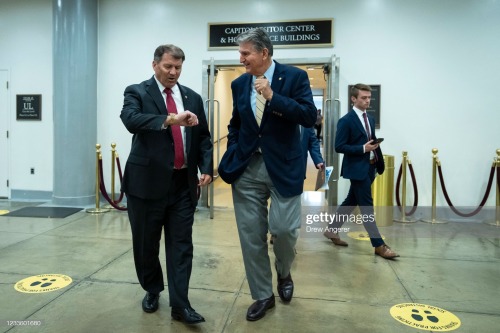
(378, 140)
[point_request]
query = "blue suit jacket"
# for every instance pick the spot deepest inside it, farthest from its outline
(349, 140)
(310, 143)
(278, 136)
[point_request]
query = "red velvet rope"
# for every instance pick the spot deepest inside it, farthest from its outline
(121, 178)
(102, 187)
(498, 176)
(120, 174)
(486, 194)
(415, 190)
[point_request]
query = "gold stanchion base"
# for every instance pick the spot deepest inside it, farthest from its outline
(407, 219)
(97, 210)
(493, 223)
(435, 221)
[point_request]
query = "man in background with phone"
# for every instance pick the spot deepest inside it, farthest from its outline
(363, 157)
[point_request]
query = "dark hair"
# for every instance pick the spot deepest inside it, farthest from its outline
(357, 87)
(173, 50)
(258, 37)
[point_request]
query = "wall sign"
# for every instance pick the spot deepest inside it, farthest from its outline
(374, 109)
(29, 107)
(310, 33)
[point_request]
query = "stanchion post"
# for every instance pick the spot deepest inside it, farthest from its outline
(435, 164)
(496, 222)
(113, 157)
(97, 209)
(113, 162)
(404, 218)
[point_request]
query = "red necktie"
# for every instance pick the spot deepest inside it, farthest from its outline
(176, 132)
(367, 129)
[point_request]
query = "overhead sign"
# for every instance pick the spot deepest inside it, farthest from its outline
(310, 33)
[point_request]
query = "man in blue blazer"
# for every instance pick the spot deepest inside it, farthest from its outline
(170, 144)
(310, 143)
(264, 160)
(363, 157)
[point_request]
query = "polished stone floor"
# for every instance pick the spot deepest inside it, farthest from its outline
(454, 267)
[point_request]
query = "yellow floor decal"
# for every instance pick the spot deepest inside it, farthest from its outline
(42, 283)
(360, 235)
(425, 317)
(3, 211)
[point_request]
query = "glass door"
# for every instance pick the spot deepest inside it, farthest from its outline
(216, 91)
(332, 115)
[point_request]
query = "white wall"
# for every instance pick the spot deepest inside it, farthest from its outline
(26, 51)
(436, 61)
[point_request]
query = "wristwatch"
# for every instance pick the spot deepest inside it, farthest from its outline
(171, 119)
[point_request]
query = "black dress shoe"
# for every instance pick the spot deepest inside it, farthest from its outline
(285, 288)
(258, 309)
(150, 302)
(187, 315)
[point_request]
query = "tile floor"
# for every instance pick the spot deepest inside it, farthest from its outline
(455, 267)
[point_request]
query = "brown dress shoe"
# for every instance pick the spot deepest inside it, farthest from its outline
(334, 238)
(385, 252)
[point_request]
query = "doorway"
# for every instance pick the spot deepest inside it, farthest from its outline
(4, 134)
(216, 91)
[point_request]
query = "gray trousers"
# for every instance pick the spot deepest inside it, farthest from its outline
(251, 192)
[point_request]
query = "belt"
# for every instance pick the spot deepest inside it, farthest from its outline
(372, 161)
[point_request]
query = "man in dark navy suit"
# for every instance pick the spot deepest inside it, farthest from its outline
(264, 161)
(170, 144)
(363, 157)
